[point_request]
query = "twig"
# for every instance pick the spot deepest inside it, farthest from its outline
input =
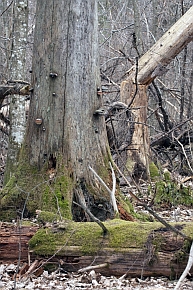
(104, 265)
(100, 179)
(187, 269)
(6, 8)
(113, 190)
(110, 80)
(184, 154)
(109, 191)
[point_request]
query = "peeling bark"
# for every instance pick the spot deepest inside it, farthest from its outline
(138, 150)
(11, 236)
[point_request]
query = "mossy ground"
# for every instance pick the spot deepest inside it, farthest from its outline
(33, 188)
(167, 191)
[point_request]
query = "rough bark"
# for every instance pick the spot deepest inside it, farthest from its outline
(63, 134)
(138, 150)
(153, 63)
(14, 242)
(5, 33)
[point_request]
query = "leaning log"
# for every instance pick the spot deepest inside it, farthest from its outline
(134, 89)
(131, 248)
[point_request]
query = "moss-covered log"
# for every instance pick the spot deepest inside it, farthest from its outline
(132, 248)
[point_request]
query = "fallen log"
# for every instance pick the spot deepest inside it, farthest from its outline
(130, 248)
(12, 239)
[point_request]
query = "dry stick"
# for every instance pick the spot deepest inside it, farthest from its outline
(187, 269)
(31, 269)
(20, 219)
(113, 190)
(109, 191)
(92, 216)
(161, 220)
(104, 265)
(173, 129)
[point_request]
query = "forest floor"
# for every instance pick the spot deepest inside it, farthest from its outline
(90, 280)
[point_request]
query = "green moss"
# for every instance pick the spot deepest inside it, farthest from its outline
(154, 171)
(129, 234)
(130, 165)
(128, 207)
(88, 237)
(167, 176)
(46, 216)
(125, 203)
(44, 242)
(171, 193)
(188, 230)
(33, 185)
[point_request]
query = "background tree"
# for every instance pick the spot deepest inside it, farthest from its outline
(16, 54)
(118, 54)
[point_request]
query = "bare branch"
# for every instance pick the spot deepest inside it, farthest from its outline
(104, 265)
(109, 191)
(113, 190)
(92, 216)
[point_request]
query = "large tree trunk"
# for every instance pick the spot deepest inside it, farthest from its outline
(64, 137)
(133, 91)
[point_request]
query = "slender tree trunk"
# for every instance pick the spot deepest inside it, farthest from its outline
(137, 37)
(190, 87)
(16, 64)
(5, 33)
(2, 37)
